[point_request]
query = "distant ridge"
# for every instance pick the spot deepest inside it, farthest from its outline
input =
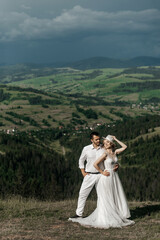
(104, 62)
(90, 63)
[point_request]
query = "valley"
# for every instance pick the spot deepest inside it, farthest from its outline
(56, 97)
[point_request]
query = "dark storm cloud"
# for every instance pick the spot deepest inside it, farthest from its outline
(80, 21)
(122, 27)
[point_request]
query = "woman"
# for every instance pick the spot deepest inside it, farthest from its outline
(112, 208)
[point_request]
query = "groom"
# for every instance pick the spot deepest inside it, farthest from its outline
(91, 176)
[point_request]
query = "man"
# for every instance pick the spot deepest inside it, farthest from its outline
(91, 176)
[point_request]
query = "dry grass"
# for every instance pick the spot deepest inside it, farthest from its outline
(37, 220)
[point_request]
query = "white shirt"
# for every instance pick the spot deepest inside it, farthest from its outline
(90, 155)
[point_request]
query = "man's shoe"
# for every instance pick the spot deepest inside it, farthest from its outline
(76, 216)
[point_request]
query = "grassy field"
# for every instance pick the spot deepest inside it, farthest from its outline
(132, 92)
(17, 106)
(94, 82)
(37, 220)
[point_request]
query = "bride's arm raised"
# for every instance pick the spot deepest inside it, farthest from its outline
(123, 146)
(101, 159)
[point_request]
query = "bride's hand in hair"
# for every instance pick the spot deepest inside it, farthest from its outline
(113, 137)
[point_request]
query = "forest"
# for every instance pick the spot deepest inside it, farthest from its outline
(138, 87)
(31, 168)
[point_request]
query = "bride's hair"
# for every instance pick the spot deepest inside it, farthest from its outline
(113, 145)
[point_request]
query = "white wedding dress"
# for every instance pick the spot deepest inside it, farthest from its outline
(112, 208)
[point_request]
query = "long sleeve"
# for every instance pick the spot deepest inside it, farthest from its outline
(82, 158)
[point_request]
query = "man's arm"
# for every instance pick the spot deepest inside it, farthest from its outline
(81, 162)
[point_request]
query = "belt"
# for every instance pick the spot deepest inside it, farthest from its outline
(93, 172)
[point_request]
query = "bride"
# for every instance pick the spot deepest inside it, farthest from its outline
(112, 208)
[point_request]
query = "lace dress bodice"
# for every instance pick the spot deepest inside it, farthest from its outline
(110, 161)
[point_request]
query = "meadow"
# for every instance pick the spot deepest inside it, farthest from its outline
(45, 220)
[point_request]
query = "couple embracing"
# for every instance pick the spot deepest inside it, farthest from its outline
(101, 171)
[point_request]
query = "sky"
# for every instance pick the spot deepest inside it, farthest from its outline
(48, 31)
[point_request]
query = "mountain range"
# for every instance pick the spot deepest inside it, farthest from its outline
(94, 63)
(104, 62)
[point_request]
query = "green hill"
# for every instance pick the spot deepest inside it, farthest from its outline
(26, 109)
(105, 95)
(104, 62)
(31, 163)
(46, 115)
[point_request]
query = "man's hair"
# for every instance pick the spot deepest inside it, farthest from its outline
(94, 134)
